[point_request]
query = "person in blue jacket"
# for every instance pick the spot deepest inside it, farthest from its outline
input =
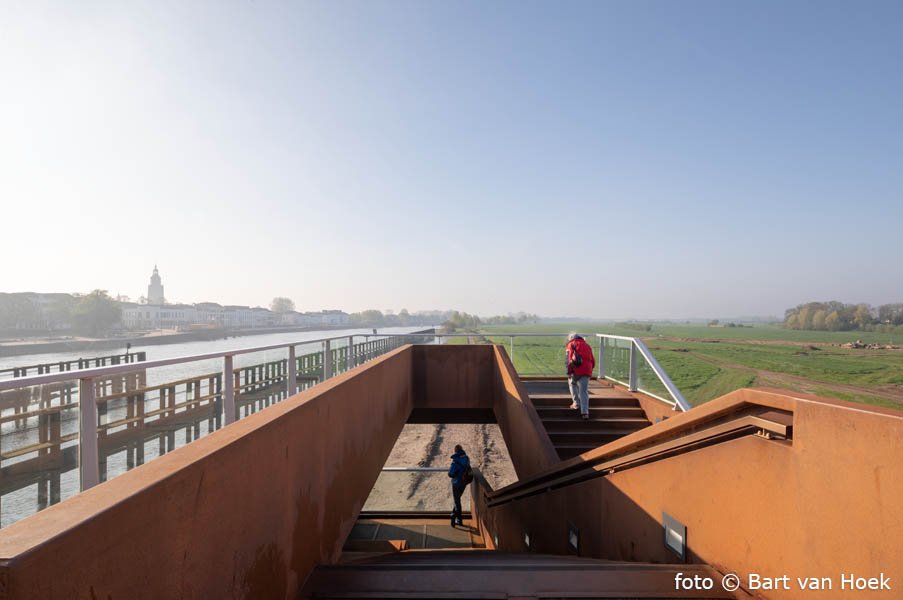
(459, 465)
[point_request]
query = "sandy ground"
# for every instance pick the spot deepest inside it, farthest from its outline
(432, 446)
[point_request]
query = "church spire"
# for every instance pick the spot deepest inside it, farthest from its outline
(155, 289)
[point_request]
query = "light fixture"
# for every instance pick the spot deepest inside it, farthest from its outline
(573, 538)
(675, 535)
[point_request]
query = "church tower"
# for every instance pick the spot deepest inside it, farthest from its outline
(155, 289)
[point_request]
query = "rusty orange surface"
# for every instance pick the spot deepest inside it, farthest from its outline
(244, 512)
(826, 503)
(248, 511)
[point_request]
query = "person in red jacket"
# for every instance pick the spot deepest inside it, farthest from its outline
(580, 364)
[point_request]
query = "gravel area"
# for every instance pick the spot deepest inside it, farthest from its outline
(432, 446)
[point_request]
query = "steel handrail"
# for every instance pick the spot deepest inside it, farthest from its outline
(637, 345)
(415, 469)
(94, 372)
(89, 472)
(677, 399)
(758, 420)
(662, 375)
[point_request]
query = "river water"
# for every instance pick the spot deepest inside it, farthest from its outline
(23, 502)
(174, 372)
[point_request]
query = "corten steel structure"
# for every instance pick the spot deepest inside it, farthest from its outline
(758, 481)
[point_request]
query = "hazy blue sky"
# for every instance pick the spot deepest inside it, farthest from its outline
(633, 159)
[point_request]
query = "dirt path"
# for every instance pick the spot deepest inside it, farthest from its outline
(766, 378)
(432, 446)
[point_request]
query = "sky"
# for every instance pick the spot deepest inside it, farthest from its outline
(595, 159)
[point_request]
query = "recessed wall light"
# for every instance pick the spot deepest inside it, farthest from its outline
(675, 535)
(573, 538)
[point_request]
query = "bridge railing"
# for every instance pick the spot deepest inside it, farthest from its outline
(68, 430)
(624, 360)
(628, 361)
(411, 489)
(68, 365)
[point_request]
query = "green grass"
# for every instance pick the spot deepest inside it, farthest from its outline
(864, 398)
(699, 331)
(700, 381)
(770, 333)
(708, 362)
(830, 364)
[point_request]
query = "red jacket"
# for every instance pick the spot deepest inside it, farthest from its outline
(578, 346)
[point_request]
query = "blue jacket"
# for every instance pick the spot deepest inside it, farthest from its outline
(459, 464)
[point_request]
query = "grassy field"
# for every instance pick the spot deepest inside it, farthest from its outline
(763, 333)
(708, 362)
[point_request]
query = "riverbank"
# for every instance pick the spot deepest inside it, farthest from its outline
(119, 343)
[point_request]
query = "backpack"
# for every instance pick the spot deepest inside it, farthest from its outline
(576, 359)
(467, 476)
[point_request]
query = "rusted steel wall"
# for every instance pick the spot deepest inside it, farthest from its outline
(453, 376)
(655, 409)
(467, 377)
(245, 512)
(528, 444)
(827, 504)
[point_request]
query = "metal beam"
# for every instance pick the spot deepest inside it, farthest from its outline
(88, 457)
(292, 372)
(228, 390)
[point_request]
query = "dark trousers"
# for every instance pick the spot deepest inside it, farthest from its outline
(457, 492)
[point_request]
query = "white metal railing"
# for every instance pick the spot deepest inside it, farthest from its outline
(415, 469)
(637, 349)
(639, 357)
(88, 456)
(335, 354)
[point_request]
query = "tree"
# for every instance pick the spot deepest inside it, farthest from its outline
(59, 314)
(805, 317)
(832, 321)
(281, 304)
(862, 317)
(17, 312)
(891, 314)
(96, 313)
(819, 319)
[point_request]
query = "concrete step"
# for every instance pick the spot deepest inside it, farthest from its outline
(493, 574)
(592, 438)
(562, 413)
(576, 423)
(561, 386)
(564, 400)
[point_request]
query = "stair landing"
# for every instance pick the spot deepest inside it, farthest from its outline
(372, 537)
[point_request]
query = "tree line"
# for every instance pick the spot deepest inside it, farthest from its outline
(376, 318)
(91, 314)
(451, 320)
(462, 320)
(839, 316)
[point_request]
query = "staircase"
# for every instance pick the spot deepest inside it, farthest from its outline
(613, 413)
(492, 574)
